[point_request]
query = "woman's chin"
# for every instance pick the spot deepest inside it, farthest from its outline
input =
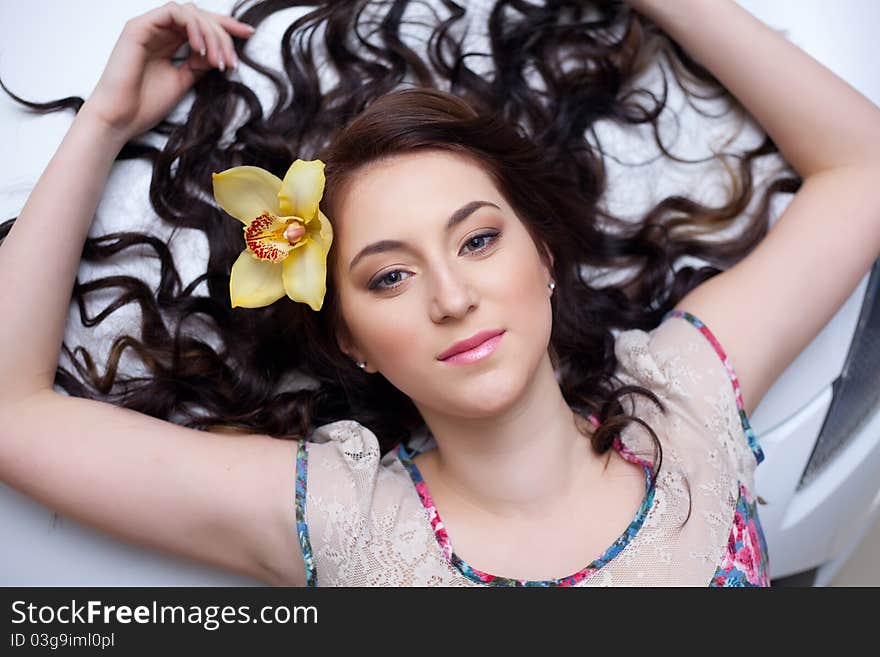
(486, 396)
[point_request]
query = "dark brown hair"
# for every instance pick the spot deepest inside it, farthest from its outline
(529, 122)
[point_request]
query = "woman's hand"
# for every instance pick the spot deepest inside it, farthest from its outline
(140, 85)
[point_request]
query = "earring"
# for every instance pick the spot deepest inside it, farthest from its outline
(361, 364)
(552, 286)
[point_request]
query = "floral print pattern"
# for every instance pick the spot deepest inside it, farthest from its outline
(302, 529)
(745, 561)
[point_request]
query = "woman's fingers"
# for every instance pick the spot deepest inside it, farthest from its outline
(215, 51)
(216, 31)
(196, 38)
(227, 48)
(208, 33)
(227, 27)
(233, 26)
(205, 42)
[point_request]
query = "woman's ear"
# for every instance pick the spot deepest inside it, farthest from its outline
(344, 341)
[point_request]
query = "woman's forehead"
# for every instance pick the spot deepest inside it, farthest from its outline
(432, 184)
(418, 173)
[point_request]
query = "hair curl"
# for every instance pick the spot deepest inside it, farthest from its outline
(526, 123)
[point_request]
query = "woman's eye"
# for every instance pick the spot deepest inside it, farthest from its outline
(476, 243)
(477, 238)
(377, 283)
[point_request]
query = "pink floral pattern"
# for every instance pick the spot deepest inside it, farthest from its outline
(745, 561)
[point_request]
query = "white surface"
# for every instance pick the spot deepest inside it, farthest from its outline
(54, 48)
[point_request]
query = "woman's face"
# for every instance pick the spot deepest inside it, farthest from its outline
(407, 304)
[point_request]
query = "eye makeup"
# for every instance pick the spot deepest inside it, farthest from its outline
(491, 237)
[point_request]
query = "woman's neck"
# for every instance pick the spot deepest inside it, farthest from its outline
(517, 464)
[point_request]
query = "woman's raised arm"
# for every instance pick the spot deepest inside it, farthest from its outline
(768, 307)
(40, 255)
(224, 500)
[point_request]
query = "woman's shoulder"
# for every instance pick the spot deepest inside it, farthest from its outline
(673, 358)
(354, 506)
(359, 444)
(684, 365)
(349, 452)
(348, 435)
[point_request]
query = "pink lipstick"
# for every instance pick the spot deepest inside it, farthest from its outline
(480, 346)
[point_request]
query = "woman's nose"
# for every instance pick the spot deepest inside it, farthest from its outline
(452, 295)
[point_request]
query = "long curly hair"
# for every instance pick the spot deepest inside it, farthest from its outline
(558, 68)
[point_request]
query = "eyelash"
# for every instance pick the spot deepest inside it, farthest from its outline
(375, 283)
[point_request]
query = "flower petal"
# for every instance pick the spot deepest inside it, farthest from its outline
(246, 192)
(304, 273)
(302, 188)
(321, 229)
(255, 283)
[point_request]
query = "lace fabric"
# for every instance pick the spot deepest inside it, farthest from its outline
(363, 520)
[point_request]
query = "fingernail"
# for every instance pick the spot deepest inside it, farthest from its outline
(222, 65)
(202, 52)
(249, 28)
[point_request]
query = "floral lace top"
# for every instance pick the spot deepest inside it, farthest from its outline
(363, 520)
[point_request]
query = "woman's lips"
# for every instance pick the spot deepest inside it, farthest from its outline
(474, 354)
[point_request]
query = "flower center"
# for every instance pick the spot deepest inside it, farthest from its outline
(272, 238)
(293, 232)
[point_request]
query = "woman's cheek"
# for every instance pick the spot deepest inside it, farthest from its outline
(399, 345)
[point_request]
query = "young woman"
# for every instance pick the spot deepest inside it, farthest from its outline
(422, 265)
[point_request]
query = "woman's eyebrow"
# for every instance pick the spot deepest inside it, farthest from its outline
(387, 245)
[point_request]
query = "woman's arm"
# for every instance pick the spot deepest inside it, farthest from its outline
(41, 253)
(223, 500)
(818, 121)
(767, 308)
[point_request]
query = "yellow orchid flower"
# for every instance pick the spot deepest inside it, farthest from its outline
(286, 234)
